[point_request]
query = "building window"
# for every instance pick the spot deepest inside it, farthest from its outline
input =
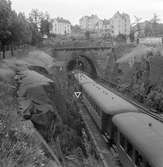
(138, 159)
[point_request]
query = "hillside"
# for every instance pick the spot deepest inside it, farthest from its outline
(139, 73)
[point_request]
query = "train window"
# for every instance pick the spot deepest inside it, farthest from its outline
(147, 165)
(97, 108)
(99, 111)
(139, 160)
(115, 133)
(129, 149)
(122, 140)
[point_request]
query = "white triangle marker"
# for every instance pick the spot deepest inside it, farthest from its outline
(77, 94)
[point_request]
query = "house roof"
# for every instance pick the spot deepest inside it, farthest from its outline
(123, 15)
(90, 17)
(62, 20)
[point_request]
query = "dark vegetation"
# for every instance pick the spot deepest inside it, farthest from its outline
(143, 80)
(16, 29)
(49, 106)
(71, 136)
(18, 145)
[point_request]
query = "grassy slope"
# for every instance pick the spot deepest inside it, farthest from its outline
(18, 145)
(140, 88)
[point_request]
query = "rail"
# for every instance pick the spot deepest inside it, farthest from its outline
(109, 85)
(107, 157)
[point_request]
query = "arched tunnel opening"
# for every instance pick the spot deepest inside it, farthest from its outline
(74, 64)
(84, 64)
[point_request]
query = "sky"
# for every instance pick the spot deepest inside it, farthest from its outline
(73, 10)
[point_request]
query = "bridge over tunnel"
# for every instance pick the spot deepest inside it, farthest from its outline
(82, 63)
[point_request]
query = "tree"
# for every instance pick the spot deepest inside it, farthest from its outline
(39, 24)
(5, 34)
(155, 19)
(35, 24)
(19, 29)
(14, 28)
(137, 21)
(154, 22)
(148, 29)
(35, 17)
(45, 24)
(24, 26)
(36, 35)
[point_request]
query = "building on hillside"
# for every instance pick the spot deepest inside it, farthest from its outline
(107, 27)
(89, 23)
(60, 26)
(143, 29)
(99, 26)
(120, 24)
(103, 25)
(148, 29)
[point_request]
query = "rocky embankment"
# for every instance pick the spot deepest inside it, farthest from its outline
(35, 91)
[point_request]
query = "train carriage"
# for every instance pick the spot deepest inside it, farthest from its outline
(137, 136)
(139, 139)
(105, 103)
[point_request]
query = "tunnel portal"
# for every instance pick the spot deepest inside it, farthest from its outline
(84, 64)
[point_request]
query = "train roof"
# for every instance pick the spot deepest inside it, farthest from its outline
(82, 78)
(145, 133)
(105, 99)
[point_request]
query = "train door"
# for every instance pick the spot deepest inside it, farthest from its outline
(125, 150)
(107, 127)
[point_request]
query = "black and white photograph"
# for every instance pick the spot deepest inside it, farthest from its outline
(81, 83)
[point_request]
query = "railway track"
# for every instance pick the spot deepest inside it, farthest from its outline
(107, 156)
(111, 87)
(93, 93)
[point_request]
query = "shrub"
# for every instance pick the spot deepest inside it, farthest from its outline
(155, 99)
(18, 147)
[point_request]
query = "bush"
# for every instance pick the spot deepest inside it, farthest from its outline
(138, 92)
(18, 147)
(155, 99)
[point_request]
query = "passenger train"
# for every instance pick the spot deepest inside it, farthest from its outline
(137, 136)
